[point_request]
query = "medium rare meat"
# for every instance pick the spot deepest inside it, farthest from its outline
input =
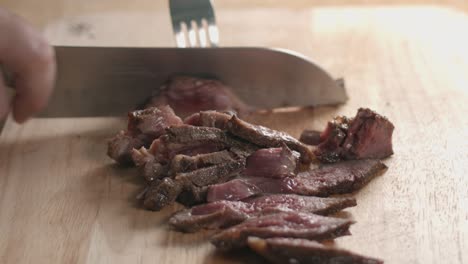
(210, 175)
(164, 192)
(241, 188)
(338, 178)
(329, 150)
(257, 180)
(119, 147)
(143, 127)
(209, 119)
(192, 140)
(161, 193)
(303, 251)
(149, 166)
(187, 95)
(184, 163)
(152, 122)
(367, 136)
(287, 224)
(266, 137)
(272, 163)
(310, 137)
(222, 214)
(299, 203)
(210, 216)
(193, 196)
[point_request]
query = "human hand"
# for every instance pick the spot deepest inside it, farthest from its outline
(31, 61)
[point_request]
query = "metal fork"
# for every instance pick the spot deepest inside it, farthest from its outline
(194, 23)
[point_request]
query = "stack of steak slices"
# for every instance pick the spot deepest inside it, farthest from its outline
(258, 187)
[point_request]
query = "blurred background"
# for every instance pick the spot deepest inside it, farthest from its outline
(147, 22)
(42, 12)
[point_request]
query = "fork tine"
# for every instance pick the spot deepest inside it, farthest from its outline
(201, 29)
(202, 33)
(192, 35)
(179, 35)
(213, 34)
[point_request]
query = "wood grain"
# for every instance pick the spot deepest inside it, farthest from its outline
(63, 200)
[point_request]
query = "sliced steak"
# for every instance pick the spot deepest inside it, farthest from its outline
(209, 119)
(119, 147)
(187, 95)
(242, 188)
(210, 216)
(234, 190)
(266, 137)
(310, 137)
(192, 140)
(184, 163)
(144, 126)
(162, 193)
(299, 203)
(302, 251)
(339, 178)
(192, 184)
(211, 175)
(152, 121)
(329, 150)
(367, 136)
(187, 134)
(272, 163)
(193, 196)
(287, 224)
(222, 214)
(150, 168)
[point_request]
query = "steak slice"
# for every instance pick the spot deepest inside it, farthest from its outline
(272, 162)
(193, 196)
(329, 150)
(310, 137)
(287, 224)
(166, 191)
(266, 137)
(189, 95)
(119, 147)
(367, 136)
(152, 121)
(211, 175)
(210, 216)
(209, 119)
(222, 214)
(242, 188)
(184, 163)
(144, 126)
(299, 203)
(338, 178)
(303, 251)
(149, 166)
(192, 140)
(161, 193)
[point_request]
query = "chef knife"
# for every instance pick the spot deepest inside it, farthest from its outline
(109, 81)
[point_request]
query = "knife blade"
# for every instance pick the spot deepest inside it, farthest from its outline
(109, 81)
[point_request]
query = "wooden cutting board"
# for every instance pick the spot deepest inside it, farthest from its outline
(63, 201)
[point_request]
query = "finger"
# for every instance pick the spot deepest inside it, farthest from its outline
(31, 60)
